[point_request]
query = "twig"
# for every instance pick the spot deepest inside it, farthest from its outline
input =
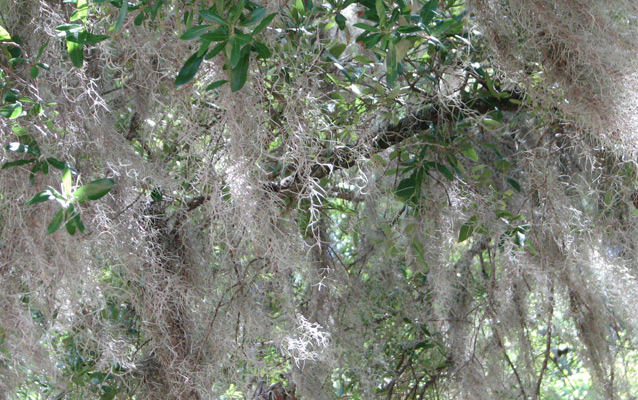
(548, 341)
(511, 364)
(212, 321)
(127, 207)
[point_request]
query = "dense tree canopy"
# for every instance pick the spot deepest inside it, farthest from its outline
(356, 199)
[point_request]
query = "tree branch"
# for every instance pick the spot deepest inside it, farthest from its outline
(548, 342)
(344, 157)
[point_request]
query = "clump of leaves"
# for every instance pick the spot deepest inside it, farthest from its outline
(27, 145)
(68, 198)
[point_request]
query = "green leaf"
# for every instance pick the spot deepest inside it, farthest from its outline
(217, 35)
(81, 12)
(239, 73)
(467, 229)
(189, 69)
(235, 52)
(261, 49)
(17, 60)
(609, 197)
(264, 23)
(194, 32)
(41, 197)
(340, 389)
(427, 11)
(55, 163)
(366, 27)
(216, 84)
(110, 391)
(4, 35)
(26, 146)
(409, 29)
(341, 21)
(215, 50)
(37, 167)
(16, 52)
(139, 18)
(203, 48)
(56, 222)
(380, 8)
(18, 163)
(44, 166)
(444, 171)
(256, 16)
(76, 53)
(21, 131)
(403, 7)
(70, 227)
(491, 123)
(34, 72)
(68, 28)
(243, 38)
(408, 187)
(156, 8)
(156, 195)
(91, 38)
(530, 247)
(11, 95)
(304, 217)
(337, 49)
(514, 184)
(455, 164)
(444, 26)
(300, 6)
(67, 182)
(121, 16)
(236, 11)
(94, 190)
(36, 110)
(73, 220)
(391, 64)
(211, 16)
(503, 165)
(56, 194)
(11, 111)
(470, 153)
(419, 252)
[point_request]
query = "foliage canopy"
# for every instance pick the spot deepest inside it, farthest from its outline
(290, 199)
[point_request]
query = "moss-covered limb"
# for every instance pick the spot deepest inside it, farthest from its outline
(346, 156)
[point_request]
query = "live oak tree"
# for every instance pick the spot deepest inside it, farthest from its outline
(351, 199)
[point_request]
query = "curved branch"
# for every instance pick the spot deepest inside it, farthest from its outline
(344, 157)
